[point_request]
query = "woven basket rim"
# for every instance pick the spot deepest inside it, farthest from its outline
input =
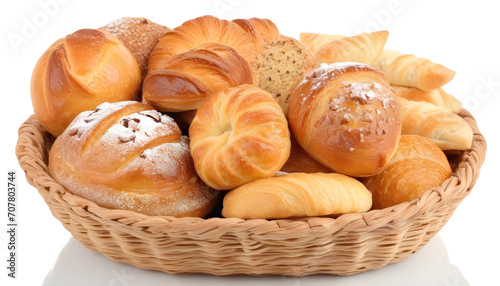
(37, 175)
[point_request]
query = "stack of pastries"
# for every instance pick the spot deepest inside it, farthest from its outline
(169, 122)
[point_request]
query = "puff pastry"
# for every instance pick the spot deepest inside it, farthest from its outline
(438, 97)
(363, 48)
(448, 130)
(411, 71)
(239, 135)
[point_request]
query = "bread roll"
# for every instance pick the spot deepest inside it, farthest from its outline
(239, 135)
(418, 165)
(438, 97)
(284, 62)
(363, 48)
(411, 71)
(189, 78)
(448, 130)
(128, 156)
(79, 72)
(297, 195)
(346, 116)
(139, 35)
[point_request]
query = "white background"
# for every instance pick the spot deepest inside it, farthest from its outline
(463, 37)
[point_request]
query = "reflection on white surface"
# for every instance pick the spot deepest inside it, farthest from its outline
(77, 265)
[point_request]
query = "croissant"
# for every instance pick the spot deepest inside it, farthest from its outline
(448, 130)
(128, 156)
(139, 35)
(189, 78)
(239, 135)
(202, 30)
(297, 195)
(346, 116)
(197, 59)
(438, 97)
(362, 48)
(408, 70)
(314, 40)
(417, 166)
(79, 72)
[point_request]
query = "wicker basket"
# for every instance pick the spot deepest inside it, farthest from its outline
(343, 245)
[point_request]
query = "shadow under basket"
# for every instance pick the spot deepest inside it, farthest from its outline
(342, 245)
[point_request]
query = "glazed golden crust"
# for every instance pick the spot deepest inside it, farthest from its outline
(239, 135)
(188, 78)
(346, 117)
(417, 166)
(197, 59)
(199, 31)
(79, 72)
(128, 156)
(297, 195)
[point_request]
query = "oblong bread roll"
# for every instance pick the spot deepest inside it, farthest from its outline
(297, 195)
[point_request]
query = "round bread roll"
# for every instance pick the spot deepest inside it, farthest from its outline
(128, 156)
(346, 116)
(79, 72)
(297, 195)
(139, 35)
(417, 166)
(239, 135)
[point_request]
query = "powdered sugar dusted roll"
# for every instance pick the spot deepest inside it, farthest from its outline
(345, 115)
(129, 156)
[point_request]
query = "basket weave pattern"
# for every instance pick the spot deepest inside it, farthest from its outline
(347, 244)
